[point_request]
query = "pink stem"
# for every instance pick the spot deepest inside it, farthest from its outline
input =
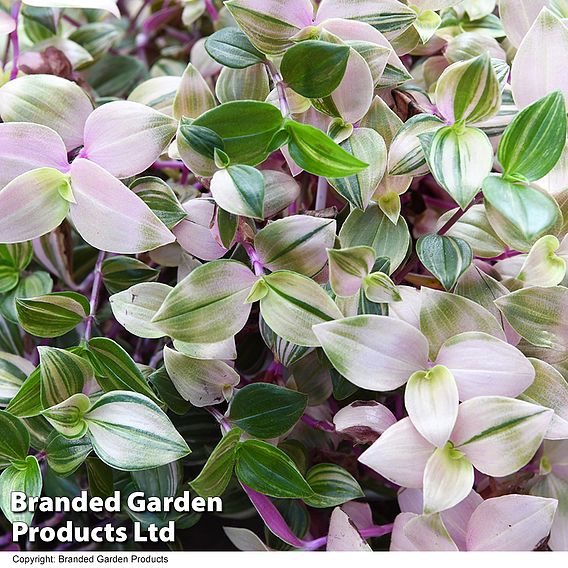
(321, 194)
(212, 11)
(168, 164)
(281, 89)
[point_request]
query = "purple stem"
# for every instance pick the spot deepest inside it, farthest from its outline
(15, 41)
(212, 11)
(280, 88)
(168, 164)
(318, 424)
(95, 295)
(257, 265)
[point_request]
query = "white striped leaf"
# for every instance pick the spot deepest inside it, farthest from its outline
(62, 374)
(377, 353)
(447, 258)
(15, 441)
(535, 67)
(67, 416)
(500, 435)
(469, 91)
(239, 190)
(543, 123)
(25, 477)
(367, 145)
(284, 351)
(134, 308)
(48, 100)
(157, 93)
(448, 479)
(431, 399)
(129, 432)
(348, 268)
(332, 486)
(550, 389)
(193, 97)
(298, 243)
(460, 159)
(201, 382)
(426, 24)
(32, 205)
(406, 156)
(379, 288)
(13, 372)
(293, 304)
(208, 305)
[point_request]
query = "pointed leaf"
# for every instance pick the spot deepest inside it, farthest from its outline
(15, 441)
(427, 533)
(193, 97)
(239, 190)
(373, 352)
(232, 48)
(348, 268)
(343, 536)
(364, 421)
(25, 478)
(67, 416)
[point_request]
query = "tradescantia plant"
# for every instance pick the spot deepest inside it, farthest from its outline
(307, 256)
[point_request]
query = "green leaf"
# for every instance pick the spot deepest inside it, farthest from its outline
(25, 477)
(530, 211)
(374, 229)
(315, 152)
(208, 305)
(228, 225)
(533, 142)
(14, 258)
(129, 432)
(99, 478)
(30, 286)
(160, 198)
(270, 471)
(218, 470)
(52, 315)
(116, 75)
(231, 47)
(295, 303)
(122, 272)
(240, 190)
(163, 481)
(245, 127)
(313, 68)
(267, 411)
(284, 351)
(332, 486)
(115, 369)
(15, 439)
(348, 267)
(67, 416)
(13, 372)
(27, 401)
(66, 456)
(62, 373)
(447, 258)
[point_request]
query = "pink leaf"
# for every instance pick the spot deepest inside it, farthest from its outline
(343, 535)
(511, 522)
(126, 138)
(26, 146)
(364, 420)
(111, 217)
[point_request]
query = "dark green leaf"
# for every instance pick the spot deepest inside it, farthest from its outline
(447, 258)
(267, 411)
(14, 439)
(270, 471)
(116, 75)
(99, 477)
(66, 456)
(315, 68)
(332, 486)
(228, 225)
(232, 48)
(168, 392)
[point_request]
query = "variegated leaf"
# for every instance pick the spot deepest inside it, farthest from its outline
(193, 97)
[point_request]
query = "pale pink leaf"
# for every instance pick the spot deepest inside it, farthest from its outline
(399, 540)
(517, 16)
(500, 435)
(511, 522)
(107, 5)
(26, 146)
(370, 11)
(343, 535)
(7, 23)
(428, 534)
(400, 454)
(126, 138)
(538, 68)
(484, 365)
(363, 420)
(194, 233)
(111, 217)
